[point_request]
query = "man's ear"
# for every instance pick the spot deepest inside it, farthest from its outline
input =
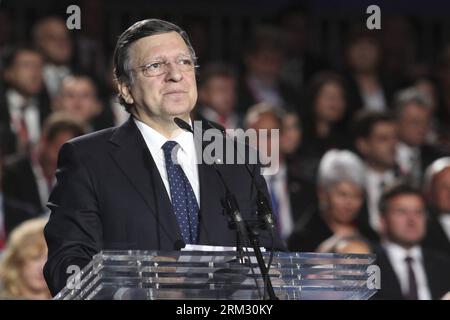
(125, 93)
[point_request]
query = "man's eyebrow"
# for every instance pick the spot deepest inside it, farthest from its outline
(156, 58)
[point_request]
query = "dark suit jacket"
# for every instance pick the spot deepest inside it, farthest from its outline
(437, 272)
(436, 237)
(302, 193)
(7, 136)
(109, 196)
(309, 233)
(22, 200)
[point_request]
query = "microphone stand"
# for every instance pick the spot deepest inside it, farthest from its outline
(245, 230)
(265, 222)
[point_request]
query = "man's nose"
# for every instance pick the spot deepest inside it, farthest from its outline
(173, 73)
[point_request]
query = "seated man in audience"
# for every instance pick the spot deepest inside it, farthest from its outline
(291, 195)
(25, 103)
(218, 96)
(408, 270)
(375, 135)
(79, 97)
(413, 111)
(28, 180)
(52, 38)
(437, 191)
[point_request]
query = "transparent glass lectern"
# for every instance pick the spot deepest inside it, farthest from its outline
(151, 275)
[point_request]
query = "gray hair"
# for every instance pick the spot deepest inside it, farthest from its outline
(255, 111)
(410, 96)
(433, 169)
(339, 166)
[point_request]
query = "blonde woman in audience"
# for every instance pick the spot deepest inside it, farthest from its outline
(21, 266)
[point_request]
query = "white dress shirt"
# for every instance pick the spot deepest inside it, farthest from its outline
(374, 180)
(444, 220)
(396, 255)
(44, 189)
(186, 155)
(374, 101)
(409, 161)
(53, 77)
(19, 107)
(280, 188)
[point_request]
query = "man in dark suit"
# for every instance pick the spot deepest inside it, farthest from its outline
(140, 186)
(408, 269)
(291, 195)
(413, 112)
(25, 102)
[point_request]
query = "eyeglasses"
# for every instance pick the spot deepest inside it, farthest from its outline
(159, 67)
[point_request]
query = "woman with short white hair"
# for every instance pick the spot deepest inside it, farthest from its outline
(340, 191)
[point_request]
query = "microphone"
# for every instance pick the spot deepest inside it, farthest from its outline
(229, 202)
(183, 125)
(264, 210)
(231, 208)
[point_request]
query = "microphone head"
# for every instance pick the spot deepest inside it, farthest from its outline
(183, 124)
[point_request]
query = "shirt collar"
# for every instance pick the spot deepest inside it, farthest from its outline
(15, 99)
(398, 252)
(156, 140)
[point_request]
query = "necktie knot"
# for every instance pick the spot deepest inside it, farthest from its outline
(169, 146)
(409, 260)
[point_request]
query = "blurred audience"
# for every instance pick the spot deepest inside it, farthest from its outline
(323, 116)
(340, 194)
(300, 64)
(263, 60)
(437, 191)
(218, 96)
(368, 88)
(78, 96)
(413, 113)
(25, 104)
(28, 180)
(408, 270)
(52, 38)
(291, 137)
(290, 194)
(324, 198)
(375, 135)
(346, 244)
(22, 263)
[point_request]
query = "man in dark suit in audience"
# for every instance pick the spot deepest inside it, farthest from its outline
(25, 102)
(408, 270)
(292, 195)
(413, 112)
(141, 185)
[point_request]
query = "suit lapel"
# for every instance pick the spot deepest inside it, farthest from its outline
(211, 192)
(136, 162)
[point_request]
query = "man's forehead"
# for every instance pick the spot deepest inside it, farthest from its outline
(407, 200)
(159, 45)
